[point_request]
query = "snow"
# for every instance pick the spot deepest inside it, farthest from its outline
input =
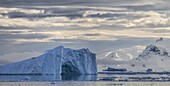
(154, 56)
(59, 60)
(124, 54)
(153, 50)
(119, 58)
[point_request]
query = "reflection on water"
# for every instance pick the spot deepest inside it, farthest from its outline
(135, 77)
(99, 77)
(84, 83)
(79, 77)
(48, 77)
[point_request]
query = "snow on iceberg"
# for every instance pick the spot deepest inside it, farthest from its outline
(59, 60)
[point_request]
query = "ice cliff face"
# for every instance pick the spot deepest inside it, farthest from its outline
(59, 60)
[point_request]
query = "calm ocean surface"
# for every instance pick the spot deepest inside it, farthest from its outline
(85, 80)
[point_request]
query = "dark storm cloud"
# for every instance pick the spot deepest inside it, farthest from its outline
(82, 2)
(24, 15)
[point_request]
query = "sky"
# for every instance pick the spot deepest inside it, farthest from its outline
(30, 27)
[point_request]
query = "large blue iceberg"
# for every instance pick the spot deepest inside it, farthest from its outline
(59, 60)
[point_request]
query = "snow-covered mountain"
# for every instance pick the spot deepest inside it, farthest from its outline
(155, 56)
(59, 60)
(119, 57)
(153, 51)
(124, 54)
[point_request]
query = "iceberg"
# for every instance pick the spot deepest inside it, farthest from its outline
(59, 60)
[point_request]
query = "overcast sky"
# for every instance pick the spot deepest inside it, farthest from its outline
(29, 27)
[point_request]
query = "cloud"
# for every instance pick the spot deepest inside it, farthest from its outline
(25, 36)
(26, 29)
(89, 17)
(14, 57)
(65, 2)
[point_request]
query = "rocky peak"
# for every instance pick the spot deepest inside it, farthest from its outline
(160, 39)
(154, 50)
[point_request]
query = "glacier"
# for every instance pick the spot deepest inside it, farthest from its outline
(59, 60)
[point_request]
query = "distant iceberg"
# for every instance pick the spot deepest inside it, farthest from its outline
(115, 69)
(59, 60)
